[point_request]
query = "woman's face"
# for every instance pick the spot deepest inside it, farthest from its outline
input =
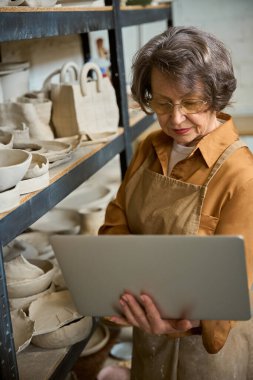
(185, 129)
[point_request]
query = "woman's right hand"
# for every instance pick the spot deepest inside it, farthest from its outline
(147, 317)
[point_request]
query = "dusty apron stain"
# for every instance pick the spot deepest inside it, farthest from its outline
(156, 204)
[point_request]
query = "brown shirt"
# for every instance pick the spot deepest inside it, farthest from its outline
(227, 208)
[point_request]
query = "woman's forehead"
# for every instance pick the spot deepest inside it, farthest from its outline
(166, 83)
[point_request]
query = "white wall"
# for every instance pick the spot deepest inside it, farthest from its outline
(232, 22)
(45, 55)
(136, 36)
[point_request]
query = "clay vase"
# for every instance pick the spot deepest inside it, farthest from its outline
(91, 220)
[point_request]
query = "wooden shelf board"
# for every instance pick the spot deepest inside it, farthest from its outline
(69, 8)
(79, 156)
(31, 362)
(22, 9)
(141, 7)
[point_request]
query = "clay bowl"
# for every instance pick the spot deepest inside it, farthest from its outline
(53, 311)
(6, 140)
(20, 269)
(88, 196)
(58, 221)
(9, 199)
(38, 240)
(29, 287)
(38, 166)
(23, 328)
(66, 335)
(13, 166)
(40, 3)
(24, 302)
(98, 340)
(20, 134)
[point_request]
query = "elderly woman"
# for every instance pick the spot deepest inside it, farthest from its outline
(194, 176)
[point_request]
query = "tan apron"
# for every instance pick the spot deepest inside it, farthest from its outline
(156, 204)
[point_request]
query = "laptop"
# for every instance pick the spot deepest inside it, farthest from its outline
(193, 277)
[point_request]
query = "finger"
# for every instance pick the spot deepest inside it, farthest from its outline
(119, 320)
(151, 309)
(127, 313)
(163, 326)
(153, 315)
(134, 312)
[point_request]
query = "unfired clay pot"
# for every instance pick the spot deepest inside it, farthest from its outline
(40, 3)
(23, 328)
(24, 302)
(91, 220)
(88, 196)
(6, 139)
(58, 221)
(20, 269)
(19, 134)
(9, 199)
(29, 287)
(38, 166)
(53, 311)
(13, 166)
(66, 335)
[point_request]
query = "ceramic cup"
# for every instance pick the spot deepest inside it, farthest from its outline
(91, 220)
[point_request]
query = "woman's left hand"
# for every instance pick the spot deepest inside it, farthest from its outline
(147, 317)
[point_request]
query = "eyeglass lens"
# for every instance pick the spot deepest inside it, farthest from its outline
(186, 107)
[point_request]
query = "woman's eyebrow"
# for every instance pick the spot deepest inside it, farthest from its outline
(188, 95)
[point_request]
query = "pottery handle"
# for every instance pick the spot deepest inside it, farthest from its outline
(72, 70)
(47, 82)
(83, 77)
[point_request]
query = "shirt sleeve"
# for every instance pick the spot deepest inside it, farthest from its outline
(236, 218)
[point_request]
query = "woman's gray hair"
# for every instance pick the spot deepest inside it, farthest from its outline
(190, 57)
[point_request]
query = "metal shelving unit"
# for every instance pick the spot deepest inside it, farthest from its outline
(19, 23)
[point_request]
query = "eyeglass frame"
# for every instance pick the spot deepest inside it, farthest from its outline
(170, 110)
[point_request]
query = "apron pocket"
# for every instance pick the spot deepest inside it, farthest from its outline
(207, 224)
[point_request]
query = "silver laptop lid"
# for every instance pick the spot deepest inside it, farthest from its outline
(188, 276)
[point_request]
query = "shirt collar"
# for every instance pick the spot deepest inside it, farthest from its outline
(213, 144)
(210, 146)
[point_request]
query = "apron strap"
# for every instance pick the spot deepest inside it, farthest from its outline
(228, 152)
(150, 158)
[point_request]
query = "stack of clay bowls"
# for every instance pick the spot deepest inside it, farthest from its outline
(27, 280)
(57, 152)
(57, 322)
(34, 177)
(14, 163)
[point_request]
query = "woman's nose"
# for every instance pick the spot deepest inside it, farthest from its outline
(176, 116)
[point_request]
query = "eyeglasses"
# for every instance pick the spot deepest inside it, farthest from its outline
(188, 106)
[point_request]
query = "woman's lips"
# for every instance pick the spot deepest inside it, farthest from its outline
(182, 131)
